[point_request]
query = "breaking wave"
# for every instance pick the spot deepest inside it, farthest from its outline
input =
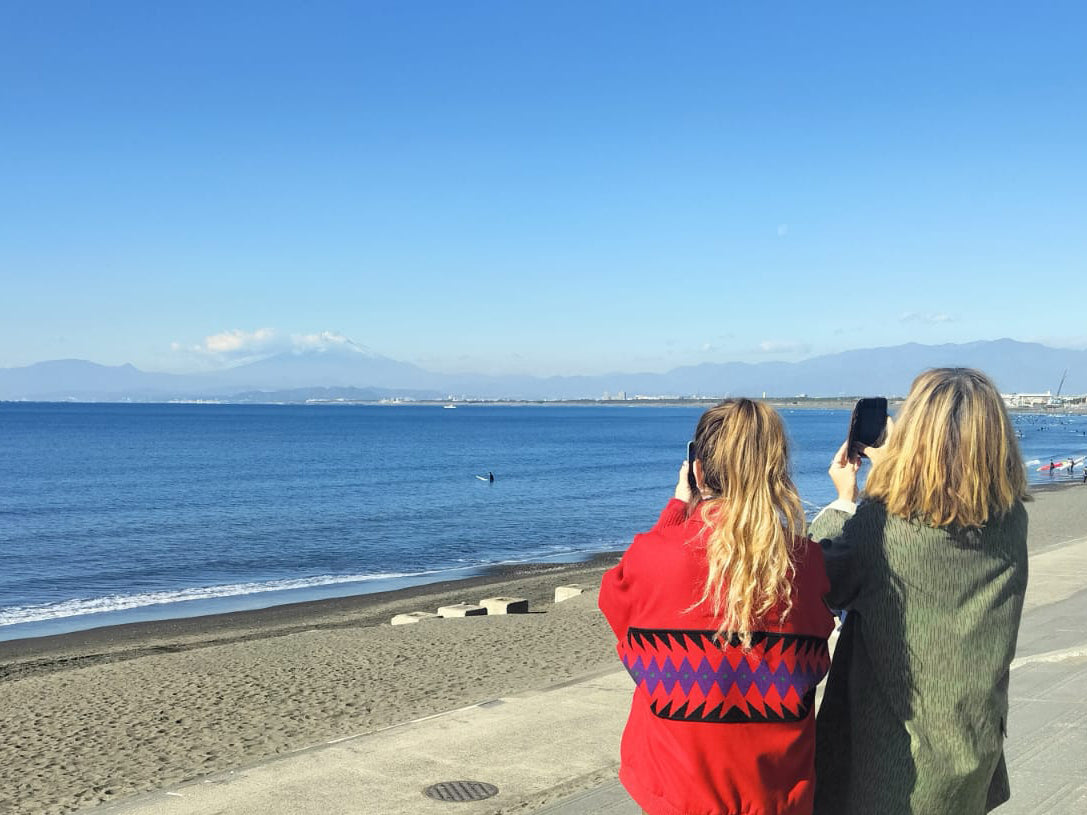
(121, 602)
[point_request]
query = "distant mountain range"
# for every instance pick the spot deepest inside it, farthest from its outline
(350, 373)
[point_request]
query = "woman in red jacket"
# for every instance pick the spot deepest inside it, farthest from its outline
(721, 623)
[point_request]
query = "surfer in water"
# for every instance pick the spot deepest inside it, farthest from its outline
(490, 476)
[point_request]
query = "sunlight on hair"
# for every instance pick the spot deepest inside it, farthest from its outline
(755, 516)
(952, 459)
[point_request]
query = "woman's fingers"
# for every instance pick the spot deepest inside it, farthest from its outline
(841, 457)
(683, 487)
(843, 472)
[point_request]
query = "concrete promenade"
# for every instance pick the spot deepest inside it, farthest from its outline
(555, 751)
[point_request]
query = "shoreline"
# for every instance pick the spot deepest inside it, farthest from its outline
(362, 608)
(114, 642)
(256, 601)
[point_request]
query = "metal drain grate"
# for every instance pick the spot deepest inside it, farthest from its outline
(461, 791)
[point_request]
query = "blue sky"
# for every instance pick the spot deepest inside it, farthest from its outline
(544, 187)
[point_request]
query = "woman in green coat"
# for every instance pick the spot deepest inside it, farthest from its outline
(932, 569)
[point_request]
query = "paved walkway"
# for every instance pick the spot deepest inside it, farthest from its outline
(534, 747)
(554, 752)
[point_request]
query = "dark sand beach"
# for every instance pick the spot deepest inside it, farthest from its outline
(95, 716)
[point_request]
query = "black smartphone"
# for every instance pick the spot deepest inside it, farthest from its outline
(692, 482)
(867, 425)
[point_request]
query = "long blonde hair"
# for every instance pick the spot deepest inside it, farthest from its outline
(952, 459)
(754, 515)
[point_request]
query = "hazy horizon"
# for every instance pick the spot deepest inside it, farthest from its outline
(343, 348)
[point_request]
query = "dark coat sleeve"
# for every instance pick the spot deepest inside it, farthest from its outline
(847, 542)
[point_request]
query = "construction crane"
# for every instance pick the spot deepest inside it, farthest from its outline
(1056, 401)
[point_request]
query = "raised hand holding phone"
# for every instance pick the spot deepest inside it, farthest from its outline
(877, 454)
(843, 473)
(867, 426)
(687, 485)
(692, 482)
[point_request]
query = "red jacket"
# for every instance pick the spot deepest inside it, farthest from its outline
(714, 731)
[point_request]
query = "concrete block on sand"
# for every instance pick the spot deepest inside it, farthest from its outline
(505, 605)
(413, 617)
(461, 610)
(566, 592)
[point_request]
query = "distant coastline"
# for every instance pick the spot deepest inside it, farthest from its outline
(793, 403)
(814, 403)
(1033, 374)
(805, 403)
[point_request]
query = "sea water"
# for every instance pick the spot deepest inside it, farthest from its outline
(115, 512)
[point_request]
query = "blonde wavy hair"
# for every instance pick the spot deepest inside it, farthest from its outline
(753, 514)
(952, 459)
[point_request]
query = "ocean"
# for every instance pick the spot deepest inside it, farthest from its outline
(115, 513)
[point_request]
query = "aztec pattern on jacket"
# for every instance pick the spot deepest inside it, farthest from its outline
(689, 677)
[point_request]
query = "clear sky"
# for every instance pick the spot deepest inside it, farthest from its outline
(542, 187)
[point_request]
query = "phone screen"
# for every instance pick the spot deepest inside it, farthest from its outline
(692, 482)
(867, 425)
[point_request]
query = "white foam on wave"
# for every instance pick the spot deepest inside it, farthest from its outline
(561, 554)
(122, 602)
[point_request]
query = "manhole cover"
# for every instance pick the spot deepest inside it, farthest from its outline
(461, 791)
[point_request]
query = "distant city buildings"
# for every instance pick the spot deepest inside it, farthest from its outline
(1040, 400)
(1026, 399)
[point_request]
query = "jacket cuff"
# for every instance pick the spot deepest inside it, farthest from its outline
(849, 507)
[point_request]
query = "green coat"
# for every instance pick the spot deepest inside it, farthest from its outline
(915, 709)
